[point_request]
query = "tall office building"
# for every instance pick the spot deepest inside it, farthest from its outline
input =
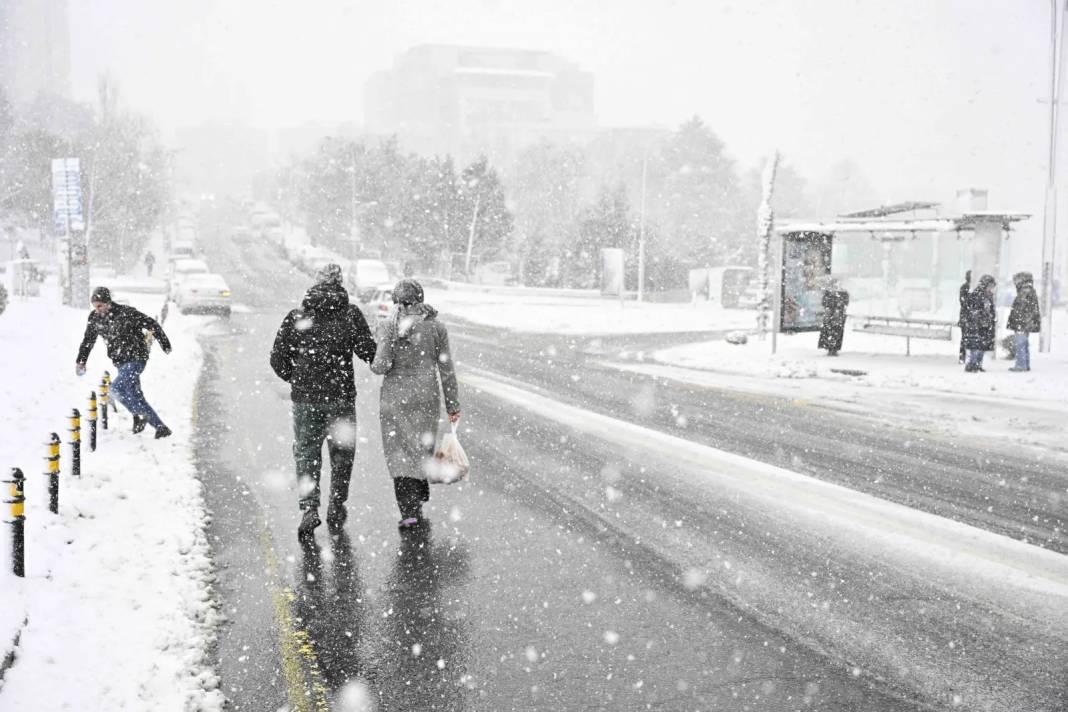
(469, 100)
(34, 49)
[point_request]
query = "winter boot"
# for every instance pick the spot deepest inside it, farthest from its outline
(308, 523)
(162, 432)
(139, 423)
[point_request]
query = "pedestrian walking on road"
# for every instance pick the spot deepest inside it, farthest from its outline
(313, 352)
(150, 262)
(123, 330)
(1025, 318)
(980, 323)
(965, 289)
(413, 355)
(832, 331)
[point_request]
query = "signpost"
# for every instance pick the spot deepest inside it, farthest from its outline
(69, 220)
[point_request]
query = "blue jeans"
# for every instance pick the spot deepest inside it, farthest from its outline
(975, 359)
(127, 389)
(1023, 351)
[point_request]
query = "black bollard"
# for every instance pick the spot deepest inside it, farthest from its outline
(75, 443)
(104, 402)
(92, 421)
(53, 473)
(17, 500)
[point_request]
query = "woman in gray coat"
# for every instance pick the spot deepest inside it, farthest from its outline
(413, 352)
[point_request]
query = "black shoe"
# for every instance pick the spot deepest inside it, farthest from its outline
(308, 523)
(162, 432)
(139, 423)
(336, 514)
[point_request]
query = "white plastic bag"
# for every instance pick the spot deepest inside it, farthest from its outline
(450, 463)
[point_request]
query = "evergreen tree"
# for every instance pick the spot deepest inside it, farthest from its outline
(488, 219)
(605, 223)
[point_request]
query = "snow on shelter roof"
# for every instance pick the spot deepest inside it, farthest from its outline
(967, 221)
(894, 209)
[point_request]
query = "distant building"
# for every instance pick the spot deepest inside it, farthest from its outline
(34, 50)
(470, 100)
(220, 158)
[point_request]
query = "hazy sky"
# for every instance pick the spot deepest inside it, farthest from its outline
(925, 95)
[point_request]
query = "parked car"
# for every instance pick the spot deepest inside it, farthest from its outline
(203, 292)
(377, 306)
(365, 277)
(180, 270)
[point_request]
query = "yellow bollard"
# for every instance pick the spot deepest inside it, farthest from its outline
(53, 473)
(75, 443)
(105, 386)
(17, 501)
(92, 421)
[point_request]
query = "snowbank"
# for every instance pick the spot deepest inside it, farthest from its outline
(115, 611)
(549, 311)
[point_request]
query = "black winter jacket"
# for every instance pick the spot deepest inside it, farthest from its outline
(1025, 314)
(123, 330)
(314, 345)
(980, 321)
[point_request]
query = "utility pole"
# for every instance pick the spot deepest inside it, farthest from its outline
(641, 231)
(471, 236)
(1049, 223)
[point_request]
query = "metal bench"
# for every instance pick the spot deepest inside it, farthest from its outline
(906, 327)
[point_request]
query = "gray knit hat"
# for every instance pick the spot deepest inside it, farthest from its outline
(329, 274)
(407, 292)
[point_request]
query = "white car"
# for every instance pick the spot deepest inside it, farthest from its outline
(180, 270)
(376, 309)
(202, 292)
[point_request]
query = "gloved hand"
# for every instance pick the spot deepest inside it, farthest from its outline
(79, 368)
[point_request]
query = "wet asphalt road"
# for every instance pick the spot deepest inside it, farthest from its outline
(532, 589)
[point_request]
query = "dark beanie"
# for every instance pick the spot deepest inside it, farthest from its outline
(407, 292)
(101, 294)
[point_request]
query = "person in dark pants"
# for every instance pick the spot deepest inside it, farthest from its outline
(1025, 318)
(832, 331)
(413, 355)
(150, 262)
(963, 298)
(313, 352)
(123, 330)
(980, 323)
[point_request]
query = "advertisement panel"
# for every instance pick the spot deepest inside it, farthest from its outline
(612, 271)
(806, 264)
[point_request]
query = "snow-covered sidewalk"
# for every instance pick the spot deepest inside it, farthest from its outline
(874, 377)
(115, 611)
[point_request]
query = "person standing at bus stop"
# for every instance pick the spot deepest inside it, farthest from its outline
(832, 331)
(980, 323)
(1025, 318)
(963, 298)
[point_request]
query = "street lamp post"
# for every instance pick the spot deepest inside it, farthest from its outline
(1049, 223)
(641, 231)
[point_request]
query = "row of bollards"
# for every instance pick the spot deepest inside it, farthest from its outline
(17, 483)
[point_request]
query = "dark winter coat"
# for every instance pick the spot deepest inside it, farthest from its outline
(980, 321)
(1025, 315)
(832, 331)
(965, 290)
(314, 346)
(123, 330)
(413, 355)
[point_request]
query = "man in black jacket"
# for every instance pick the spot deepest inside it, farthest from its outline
(123, 330)
(313, 353)
(1025, 318)
(980, 323)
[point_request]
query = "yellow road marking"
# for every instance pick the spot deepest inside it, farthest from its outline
(300, 664)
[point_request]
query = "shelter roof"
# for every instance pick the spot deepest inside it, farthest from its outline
(967, 221)
(894, 209)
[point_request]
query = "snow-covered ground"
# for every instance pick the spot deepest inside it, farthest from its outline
(872, 376)
(115, 611)
(582, 313)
